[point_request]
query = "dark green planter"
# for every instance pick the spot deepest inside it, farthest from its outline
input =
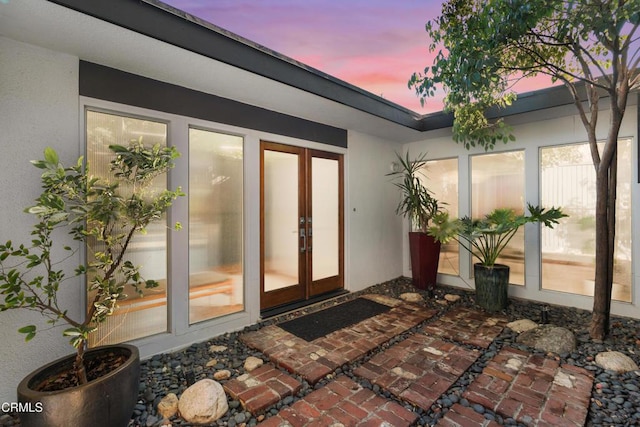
(107, 401)
(492, 286)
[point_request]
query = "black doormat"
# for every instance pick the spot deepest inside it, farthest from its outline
(321, 323)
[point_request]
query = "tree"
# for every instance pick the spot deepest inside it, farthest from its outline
(485, 46)
(104, 215)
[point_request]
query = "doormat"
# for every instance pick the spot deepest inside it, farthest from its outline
(321, 323)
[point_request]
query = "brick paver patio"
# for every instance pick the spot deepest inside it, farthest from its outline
(533, 390)
(262, 388)
(314, 360)
(418, 370)
(468, 326)
(343, 403)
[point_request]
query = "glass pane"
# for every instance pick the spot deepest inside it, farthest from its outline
(135, 316)
(441, 178)
(215, 224)
(325, 217)
(280, 220)
(568, 180)
(497, 181)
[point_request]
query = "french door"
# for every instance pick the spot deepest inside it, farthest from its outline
(301, 223)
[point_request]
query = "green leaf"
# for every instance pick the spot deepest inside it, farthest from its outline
(51, 156)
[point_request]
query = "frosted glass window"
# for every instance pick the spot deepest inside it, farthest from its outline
(568, 180)
(326, 227)
(281, 250)
(135, 316)
(497, 181)
(215, 224)
(441, 178)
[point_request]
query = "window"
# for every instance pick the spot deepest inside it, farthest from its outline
(497, 181)
(441, 178)
(215, 224)
(135, 316)
(567, 179)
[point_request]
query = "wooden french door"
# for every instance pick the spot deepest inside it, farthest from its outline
(301, 223)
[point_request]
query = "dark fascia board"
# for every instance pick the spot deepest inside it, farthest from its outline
(98, 81)
(527, 102)
(165, 23)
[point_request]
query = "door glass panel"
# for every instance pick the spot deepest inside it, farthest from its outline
(325, 198)
(215, 224)
(281, 221)
(135, 316)
(568, 180)
(497, 181)
(441, 178)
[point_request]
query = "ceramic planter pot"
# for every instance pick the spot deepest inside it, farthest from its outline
(425, 255)
(107, 401)
(492, 286)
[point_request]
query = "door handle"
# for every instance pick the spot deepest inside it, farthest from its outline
(303, 248)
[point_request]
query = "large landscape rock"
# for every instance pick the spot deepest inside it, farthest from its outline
(549, 338)
(616, 361)
(203, 403)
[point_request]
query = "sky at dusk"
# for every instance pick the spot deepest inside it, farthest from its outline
(373, 44)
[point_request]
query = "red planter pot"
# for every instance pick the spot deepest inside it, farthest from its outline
(425, 255)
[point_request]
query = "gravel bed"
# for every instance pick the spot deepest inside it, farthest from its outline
(615, 397)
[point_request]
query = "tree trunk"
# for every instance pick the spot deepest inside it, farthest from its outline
(606, 181)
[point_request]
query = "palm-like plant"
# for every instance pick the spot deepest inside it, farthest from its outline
(417, 204)
(486, 238)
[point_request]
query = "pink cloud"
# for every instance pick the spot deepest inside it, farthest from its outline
(373, 44)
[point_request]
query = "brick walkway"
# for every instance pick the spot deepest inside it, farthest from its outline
(343, 403)
(314, 360)
(419, 369)
(468, 326)
(534, 390)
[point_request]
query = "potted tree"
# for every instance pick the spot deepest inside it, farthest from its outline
(485, 239)
(419, 205)
(96, 387)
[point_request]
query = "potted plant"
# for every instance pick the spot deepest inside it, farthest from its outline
(419, 205)
(99, 387)
(485, 239)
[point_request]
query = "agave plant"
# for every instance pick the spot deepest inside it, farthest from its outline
(103, 216)
(486, 238)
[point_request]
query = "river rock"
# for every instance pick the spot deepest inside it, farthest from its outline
(223, 374)
(452, 297)
(252, 363)
(522, 325)
(411, 297)
(203, 403)
(168, 406)
(615, 361)
(217, 348)
(549, 338)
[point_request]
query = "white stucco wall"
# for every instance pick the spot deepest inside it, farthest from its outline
(549, 127)
(38, 108)
(374, 241)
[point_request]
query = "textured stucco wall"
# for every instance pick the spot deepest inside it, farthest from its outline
(38, 108)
